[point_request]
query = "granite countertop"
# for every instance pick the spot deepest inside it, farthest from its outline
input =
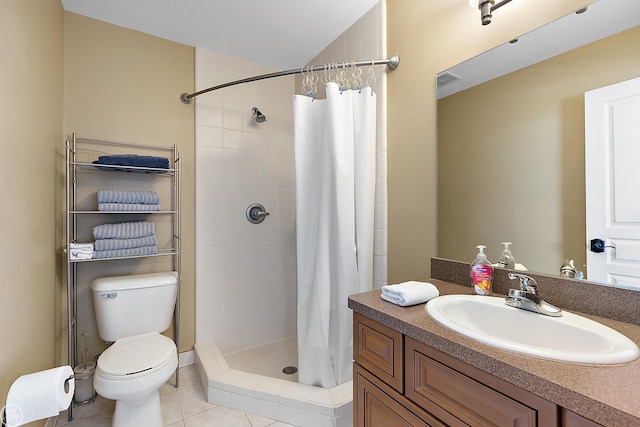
(606, 394)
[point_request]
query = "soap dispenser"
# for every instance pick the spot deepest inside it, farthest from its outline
(506, 259)
(569, 271)
(481, 273)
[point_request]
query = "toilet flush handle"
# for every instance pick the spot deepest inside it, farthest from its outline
(109, 295)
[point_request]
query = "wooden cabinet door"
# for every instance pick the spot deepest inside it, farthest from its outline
(379, 349)
(375, 407)
(438, 382)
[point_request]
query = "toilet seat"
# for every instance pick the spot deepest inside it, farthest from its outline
(136, 356)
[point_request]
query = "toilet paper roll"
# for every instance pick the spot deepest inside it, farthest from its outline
(39, 395)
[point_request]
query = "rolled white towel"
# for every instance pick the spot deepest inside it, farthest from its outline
(80, 251)
(409, 293)
(73, 255)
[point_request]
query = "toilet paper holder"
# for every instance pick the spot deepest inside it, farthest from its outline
(66, 386)
(66, 383)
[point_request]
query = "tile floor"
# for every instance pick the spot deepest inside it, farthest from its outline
(185, 406)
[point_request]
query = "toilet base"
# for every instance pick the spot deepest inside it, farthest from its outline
(147, 412)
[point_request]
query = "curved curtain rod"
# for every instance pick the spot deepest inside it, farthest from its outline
(392, 63)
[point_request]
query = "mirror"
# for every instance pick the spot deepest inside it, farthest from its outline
(511, 137)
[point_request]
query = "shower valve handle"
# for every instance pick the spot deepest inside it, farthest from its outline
(256, 213)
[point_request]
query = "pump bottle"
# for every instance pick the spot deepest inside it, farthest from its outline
(481, 273)
(506, 259)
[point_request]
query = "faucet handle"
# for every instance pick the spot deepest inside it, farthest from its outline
(527, 283)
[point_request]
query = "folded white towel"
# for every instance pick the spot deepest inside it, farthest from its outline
(75, 255)
(409, 293)
(81, 246)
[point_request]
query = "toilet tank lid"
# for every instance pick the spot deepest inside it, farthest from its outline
(134, 281)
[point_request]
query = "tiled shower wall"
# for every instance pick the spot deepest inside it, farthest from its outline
(245, 273)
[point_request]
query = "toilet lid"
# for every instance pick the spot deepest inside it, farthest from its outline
(132, 355)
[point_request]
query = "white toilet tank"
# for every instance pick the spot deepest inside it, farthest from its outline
(132, 305)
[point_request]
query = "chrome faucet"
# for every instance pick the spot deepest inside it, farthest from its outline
(527, 297)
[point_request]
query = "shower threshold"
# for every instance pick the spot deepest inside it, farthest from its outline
(274, 398)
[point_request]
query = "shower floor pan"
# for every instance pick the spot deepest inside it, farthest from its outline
(275, 398)
(269, 360)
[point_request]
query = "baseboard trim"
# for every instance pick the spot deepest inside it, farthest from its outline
(186, 358)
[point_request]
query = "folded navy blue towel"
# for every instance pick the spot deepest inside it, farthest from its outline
(134, 160)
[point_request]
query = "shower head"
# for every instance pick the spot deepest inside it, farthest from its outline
(260, 118)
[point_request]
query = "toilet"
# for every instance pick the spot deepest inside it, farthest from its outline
(131, 312)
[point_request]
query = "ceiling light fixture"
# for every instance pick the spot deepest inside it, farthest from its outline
(486, 8)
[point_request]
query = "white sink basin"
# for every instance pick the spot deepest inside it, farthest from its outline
(569, 338)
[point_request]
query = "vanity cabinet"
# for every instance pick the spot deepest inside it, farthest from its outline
(571, 419)
(399, 381)
(463, 395)
(378, 405)
(378, 379)
(379, 349)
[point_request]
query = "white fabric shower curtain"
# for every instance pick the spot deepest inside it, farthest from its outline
(335, 157)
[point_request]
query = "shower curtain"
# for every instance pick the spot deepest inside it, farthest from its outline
(335, 157)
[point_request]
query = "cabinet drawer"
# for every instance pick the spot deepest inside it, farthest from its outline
(379, 349)
(434, 385)
(377, 405)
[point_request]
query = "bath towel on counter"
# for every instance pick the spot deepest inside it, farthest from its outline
(409, 293)
(133, 207)
(124, 230)
(133, 160)
(81, 251)
(126, 196)
(113, 244)
(123, 253)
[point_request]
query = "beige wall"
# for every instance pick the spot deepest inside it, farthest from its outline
(31, 47)
(124, 85)
(431, 36)
(523, 135)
